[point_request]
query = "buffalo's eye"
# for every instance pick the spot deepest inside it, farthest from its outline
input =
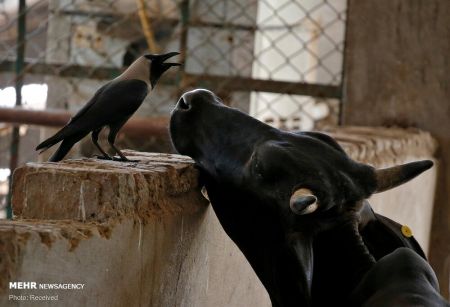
(258, 169)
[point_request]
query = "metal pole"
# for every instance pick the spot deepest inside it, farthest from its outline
(184, 14)
(135, 127)
(343, 84)
(15, 136)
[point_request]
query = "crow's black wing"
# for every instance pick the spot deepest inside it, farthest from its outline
(69, 128)
(114, 102)
(89, 104)
(117, 102)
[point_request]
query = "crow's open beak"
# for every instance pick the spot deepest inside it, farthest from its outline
(161, 58)
(158, 66)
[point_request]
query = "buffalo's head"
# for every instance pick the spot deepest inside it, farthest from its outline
(274, 190)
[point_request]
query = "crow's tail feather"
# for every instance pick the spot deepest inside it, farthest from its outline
(65, 146)
(58, 137)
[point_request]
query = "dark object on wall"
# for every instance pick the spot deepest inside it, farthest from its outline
(295, 205)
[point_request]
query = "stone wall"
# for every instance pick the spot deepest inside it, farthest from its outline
(396, 72)
(136, 234)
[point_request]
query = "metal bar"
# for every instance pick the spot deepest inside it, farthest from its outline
(192, 23)
(15, 136)
(343, 75)
(63, 70)
(222, 26)
(152, 126)
(216, 83)
(90, 14)
(184, 15)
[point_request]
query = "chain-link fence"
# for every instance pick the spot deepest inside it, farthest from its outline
(279, 60)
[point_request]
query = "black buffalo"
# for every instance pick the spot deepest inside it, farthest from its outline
(294, 203)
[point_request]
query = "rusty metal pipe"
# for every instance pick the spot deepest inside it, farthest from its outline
(151, 126)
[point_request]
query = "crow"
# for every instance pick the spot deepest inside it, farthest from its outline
(112, 105)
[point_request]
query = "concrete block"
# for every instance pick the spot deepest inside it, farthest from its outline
(136, 234)
(178, 260)
(96, 190)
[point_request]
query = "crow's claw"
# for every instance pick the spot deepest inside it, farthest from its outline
(118, 159)
(103, 157)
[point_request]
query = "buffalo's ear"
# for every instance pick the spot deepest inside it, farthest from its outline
(392, 177)
(303, 201)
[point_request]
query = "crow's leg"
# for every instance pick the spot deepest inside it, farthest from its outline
(94, 137)
(113, 130)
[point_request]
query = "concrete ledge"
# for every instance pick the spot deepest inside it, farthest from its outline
(95, 190)
(383, 147)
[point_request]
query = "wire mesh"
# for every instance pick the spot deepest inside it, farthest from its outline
(279, 60)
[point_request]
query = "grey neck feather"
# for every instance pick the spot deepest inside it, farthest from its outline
(139, 69)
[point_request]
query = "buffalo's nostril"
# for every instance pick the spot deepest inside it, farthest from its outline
(182, 104)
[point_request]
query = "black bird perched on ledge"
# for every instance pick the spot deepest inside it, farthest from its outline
(112, 105)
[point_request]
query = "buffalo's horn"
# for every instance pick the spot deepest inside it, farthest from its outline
(392, 177)
(303, 202)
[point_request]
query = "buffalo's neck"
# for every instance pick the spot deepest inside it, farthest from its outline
(261, 239)
(355, 256)
(279, 270)
(341, 260)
